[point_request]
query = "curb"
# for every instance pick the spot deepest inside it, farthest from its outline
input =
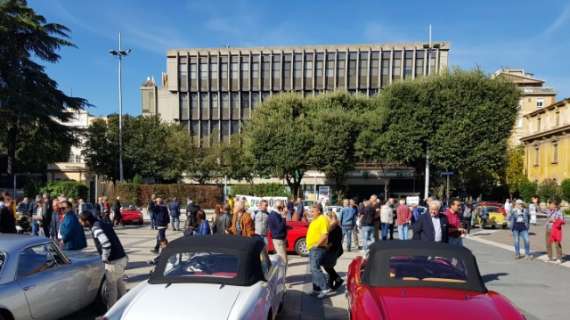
(503, 246)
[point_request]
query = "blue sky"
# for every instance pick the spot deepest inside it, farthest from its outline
(490, 34)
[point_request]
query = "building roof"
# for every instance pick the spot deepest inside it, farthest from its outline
(443, 45)
(557, 104)
(518, 77)
(537, 91)
(149, 82)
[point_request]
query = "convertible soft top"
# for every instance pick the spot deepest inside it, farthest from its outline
(247, 250)
(377, 272)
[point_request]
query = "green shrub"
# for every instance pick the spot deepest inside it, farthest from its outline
(565, 189)
(207, 196)
(528, 189)
(549, 189)
(71, 189)
(261, 190)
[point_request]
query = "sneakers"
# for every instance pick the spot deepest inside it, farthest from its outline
(337, 284)
(323, 293)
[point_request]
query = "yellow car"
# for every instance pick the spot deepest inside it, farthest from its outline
(490, 216)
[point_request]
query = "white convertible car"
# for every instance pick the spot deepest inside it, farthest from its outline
(208, 277)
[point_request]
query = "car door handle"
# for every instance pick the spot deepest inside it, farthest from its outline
(27, 288)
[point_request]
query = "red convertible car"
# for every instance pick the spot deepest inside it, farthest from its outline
(296, 234)
(421, 280)
(132, 215)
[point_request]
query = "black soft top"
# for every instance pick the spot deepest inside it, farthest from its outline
(247, 250)
(377, 273)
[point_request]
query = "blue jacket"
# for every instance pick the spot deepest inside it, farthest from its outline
(417, 212)
(203, 229)
(72, 233)
(174, 208)
(277, 226)
(523, 215)
(161, 217)
(347, 217)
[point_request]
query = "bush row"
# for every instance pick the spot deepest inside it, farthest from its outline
(206, 196)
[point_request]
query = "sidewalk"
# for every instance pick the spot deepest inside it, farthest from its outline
(504, 239)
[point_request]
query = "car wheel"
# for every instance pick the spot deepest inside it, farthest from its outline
(5, 315)
(100, 303)
(301, 247)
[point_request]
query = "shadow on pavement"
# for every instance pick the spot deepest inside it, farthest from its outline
(300, 263)
(493, 276)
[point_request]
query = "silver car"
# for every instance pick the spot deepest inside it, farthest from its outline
(39, 281)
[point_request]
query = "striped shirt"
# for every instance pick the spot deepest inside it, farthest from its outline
(103, 241)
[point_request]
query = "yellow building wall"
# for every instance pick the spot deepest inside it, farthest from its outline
(546, 169)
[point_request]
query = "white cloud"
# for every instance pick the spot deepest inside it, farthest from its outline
(559, 22)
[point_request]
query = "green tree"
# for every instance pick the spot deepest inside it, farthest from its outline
(527, 190)
(565, 189)
(549, 189)
(463, 118)
(336, 121)
(514, 172)
(32, 104)
(151, 149)
(279, 138)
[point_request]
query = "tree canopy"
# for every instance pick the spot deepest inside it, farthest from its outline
(33, 108)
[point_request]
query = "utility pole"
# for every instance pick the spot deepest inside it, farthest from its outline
(426, 187)
(120, 53)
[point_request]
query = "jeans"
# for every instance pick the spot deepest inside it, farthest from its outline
(114, 272)
(355, 235)
(517, 235)
(347, 234)
(35, 228)
(367, 237)
(385, 230)
(175, 222)
(316, 256)
(152, 221)
(456, 241)
(161, 235)
(403, 231)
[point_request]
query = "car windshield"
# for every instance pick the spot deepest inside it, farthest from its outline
(202, 264)
(428, 268)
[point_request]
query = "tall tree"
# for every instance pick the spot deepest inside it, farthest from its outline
(462, 118)
(336, 121)
(30, 100)
(279, 138)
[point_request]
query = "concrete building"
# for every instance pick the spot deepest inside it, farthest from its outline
(534, 96)
(547, 144)
(75, 168)
(212, 91)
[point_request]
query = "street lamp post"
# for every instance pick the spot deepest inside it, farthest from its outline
(120, 53)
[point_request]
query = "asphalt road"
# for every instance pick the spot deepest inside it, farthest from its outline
(537, 288)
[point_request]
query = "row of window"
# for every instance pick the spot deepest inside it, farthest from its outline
(231, 105)
(554, 153)
(285, 71)
(554, 122)
(204, 133)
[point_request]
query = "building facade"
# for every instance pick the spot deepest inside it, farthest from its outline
(534, 96)
(547, 144)
(212, 91)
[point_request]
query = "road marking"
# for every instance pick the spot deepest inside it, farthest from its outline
(542, 257)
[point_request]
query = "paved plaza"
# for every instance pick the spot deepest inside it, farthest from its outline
(517, 280)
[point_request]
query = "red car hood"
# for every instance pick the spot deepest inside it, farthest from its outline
(440, 304)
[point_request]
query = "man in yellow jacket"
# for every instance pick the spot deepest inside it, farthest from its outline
(317, 236)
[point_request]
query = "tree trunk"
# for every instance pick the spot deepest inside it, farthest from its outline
(11, 148)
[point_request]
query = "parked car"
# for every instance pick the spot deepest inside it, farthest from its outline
(490, 215)
(422, 280)
(208, 277)
(39, 281)
(132, 215)
(296, 234)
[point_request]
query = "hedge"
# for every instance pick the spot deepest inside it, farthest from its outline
(565, 189)
(71, 189)
(261, 190)
(207, 196)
